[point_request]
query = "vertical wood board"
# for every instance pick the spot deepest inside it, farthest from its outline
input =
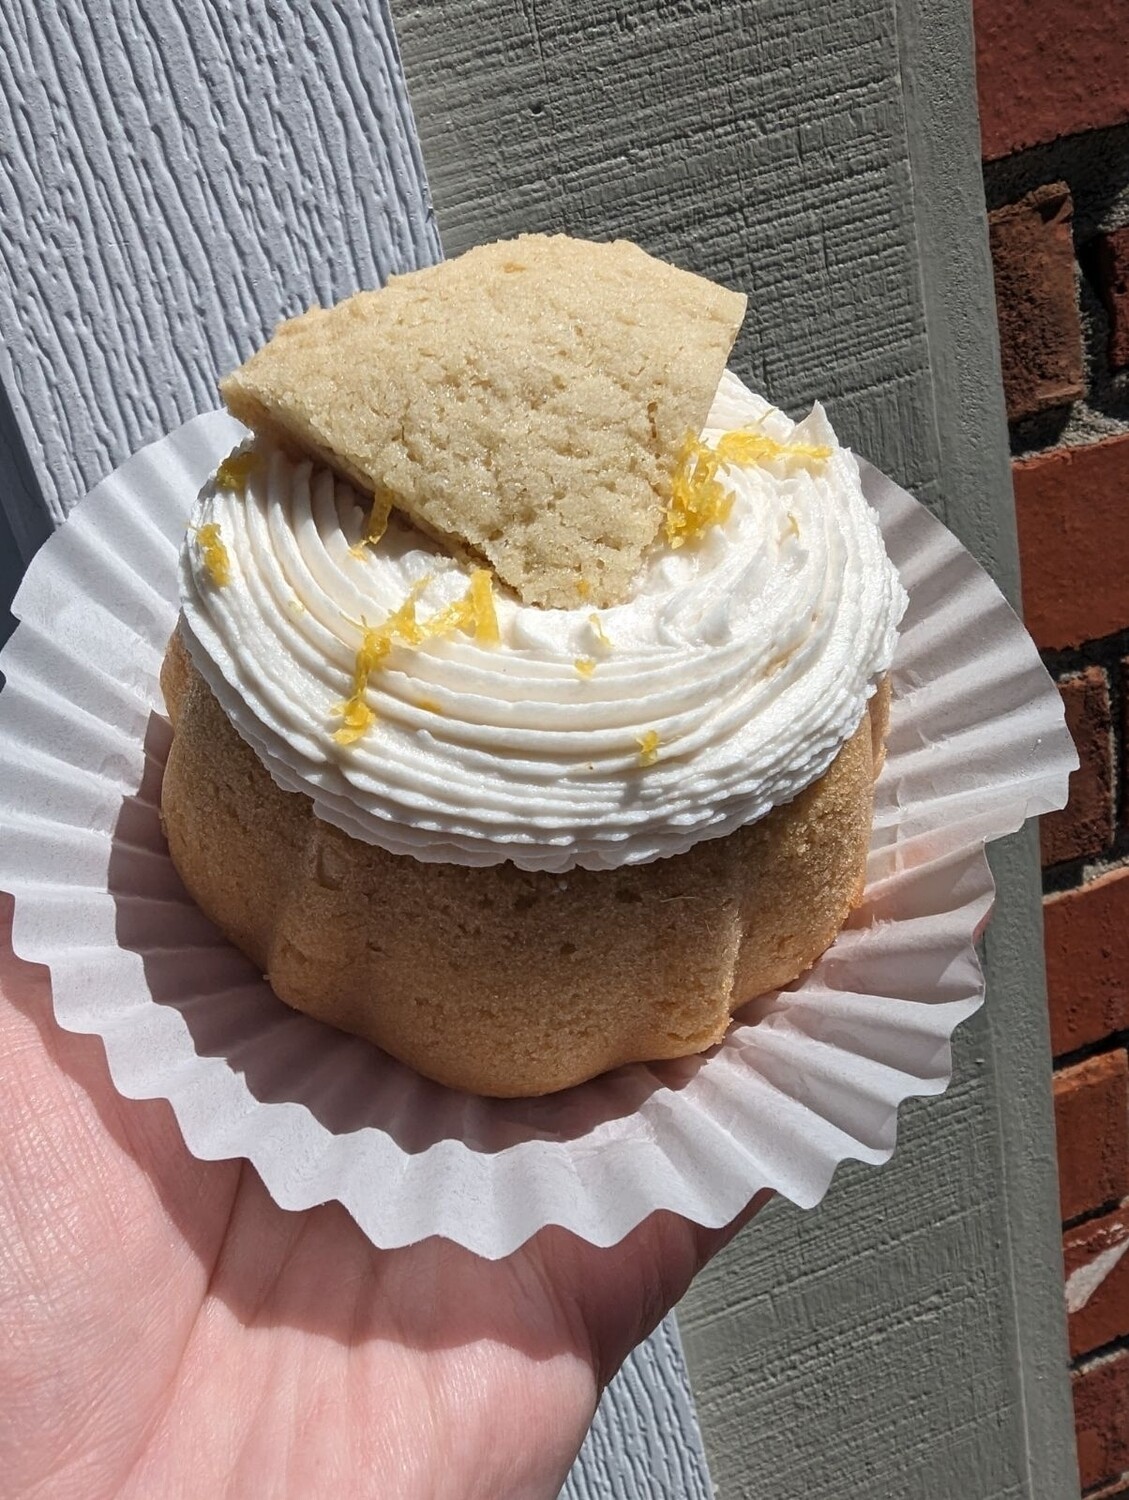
(175, 178)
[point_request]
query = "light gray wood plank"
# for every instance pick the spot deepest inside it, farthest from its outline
(175, 179)
(936, 49)
(907, 1338)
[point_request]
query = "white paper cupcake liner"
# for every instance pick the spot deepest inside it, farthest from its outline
(805, 1078)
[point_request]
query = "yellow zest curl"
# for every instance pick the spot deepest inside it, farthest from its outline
(233, 474)
(698, 499)
(485, 615)
(599, 632)
(356, 717)
(214, 553)
(584, 665)
(377, 523)
(376, 642)
(355, 713)
(648, 747)
(375, 526)
(744, 447)
(474, 613)
(401, 625)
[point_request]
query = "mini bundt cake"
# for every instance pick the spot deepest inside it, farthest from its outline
(554, 743)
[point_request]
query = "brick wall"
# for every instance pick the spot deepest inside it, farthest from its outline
(1054, 104)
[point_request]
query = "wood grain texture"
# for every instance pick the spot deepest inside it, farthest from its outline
(906, 1339)
(175, 177)
(871, 1338)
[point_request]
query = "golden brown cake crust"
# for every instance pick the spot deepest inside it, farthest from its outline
(498, 980)
(523, 403)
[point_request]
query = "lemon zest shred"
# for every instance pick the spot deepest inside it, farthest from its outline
(401, 626)
(235, 470)
(429, 706)
(698, 499)
(457, 615)
(354, 712)
(377, 523)
(648, 743)
(485, 614)
(743, 446)
(217, 560)
(357, 717)
(599, 632)
(583, 588)
(474, 613)
(584, 665)
(376, 642)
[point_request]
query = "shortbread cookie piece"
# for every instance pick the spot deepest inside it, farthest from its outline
(523, 403)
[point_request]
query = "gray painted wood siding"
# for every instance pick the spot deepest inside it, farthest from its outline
(906, 1339)
(175, 178)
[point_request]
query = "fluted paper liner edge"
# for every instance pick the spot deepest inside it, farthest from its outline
(805, 1078)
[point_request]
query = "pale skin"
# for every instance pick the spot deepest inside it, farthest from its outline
(168, 1331)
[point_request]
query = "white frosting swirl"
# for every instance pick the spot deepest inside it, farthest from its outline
(751, 653)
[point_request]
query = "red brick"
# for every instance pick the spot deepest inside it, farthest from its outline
(1086, 934)
(1048, 68)
(1096, 1256)
(1072, 512)
(1085, 824)
(1124, 773)
(1112, 262)
(1092, 1127)
(1101, 1418)
(1040, 333)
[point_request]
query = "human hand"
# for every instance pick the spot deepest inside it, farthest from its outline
(169, 1331)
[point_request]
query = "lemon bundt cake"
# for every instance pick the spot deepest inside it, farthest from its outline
(529, 684)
